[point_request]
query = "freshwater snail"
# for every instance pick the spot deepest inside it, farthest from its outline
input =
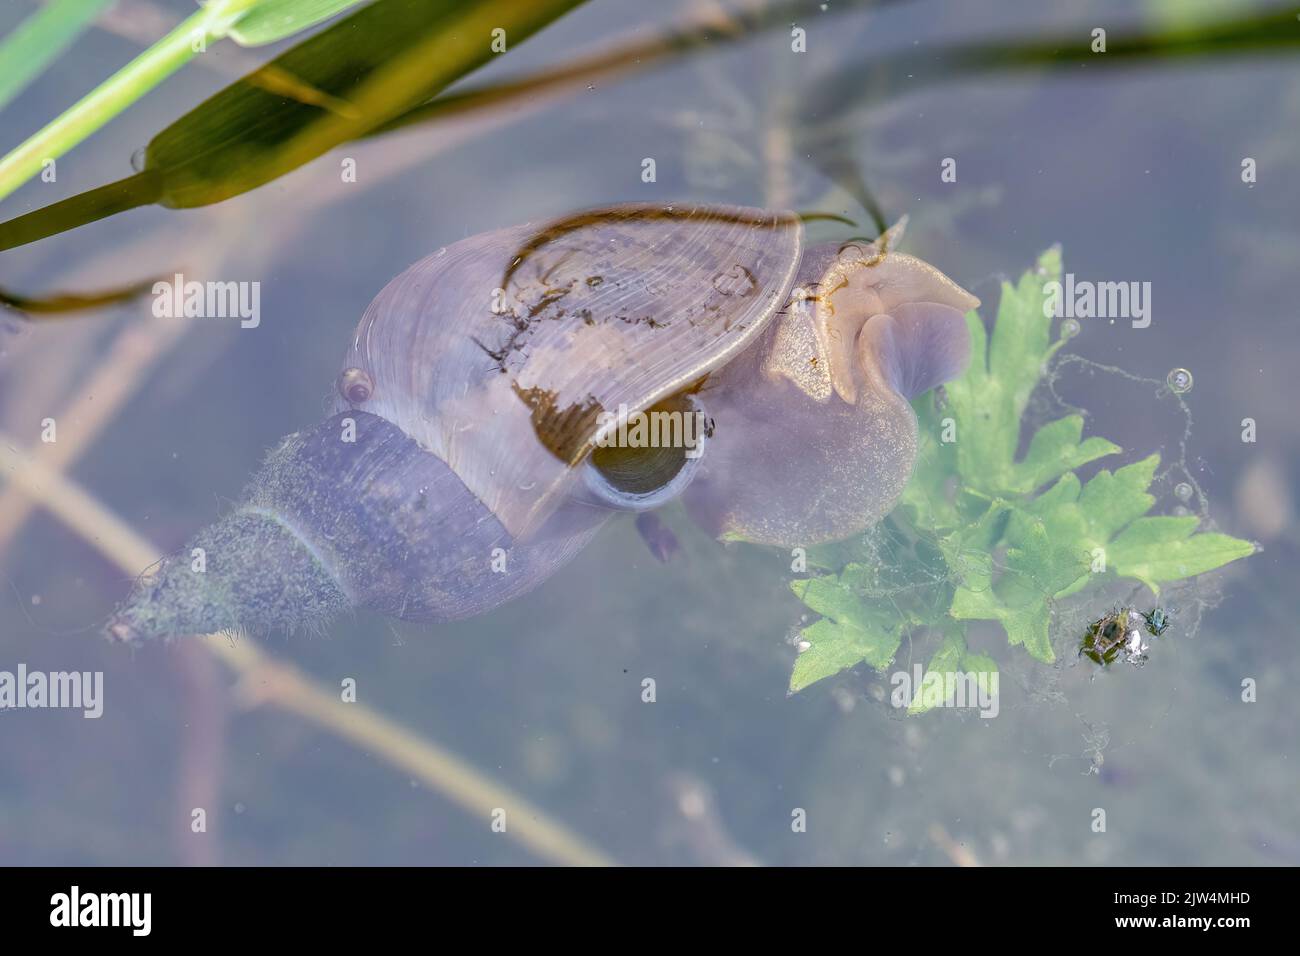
(472, 453)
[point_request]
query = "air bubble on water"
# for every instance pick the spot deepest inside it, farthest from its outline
(1183, 491)
(1179, 381)
(1070, 328)
(137, 159)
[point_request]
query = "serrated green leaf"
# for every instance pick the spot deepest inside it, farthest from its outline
(979, 664)
(1111, 500)
(827, 596)
(1160, 549)
(985, 408)
(850, 632)
(946, 659)
(926, 500)
(968, 551)
(1054, 450)
(952, 657)
(1085, 518)
(988, 402)
(838, 646)
(1019, 599)
(1105, 518)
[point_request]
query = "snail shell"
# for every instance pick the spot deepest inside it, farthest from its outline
(499, 354)
(467, 456)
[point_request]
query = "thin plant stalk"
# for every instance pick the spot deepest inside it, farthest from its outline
(119, 91)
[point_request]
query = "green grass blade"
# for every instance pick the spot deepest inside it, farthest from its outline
(117, 93)
(377, 63)
(273, 20)
(39, 40)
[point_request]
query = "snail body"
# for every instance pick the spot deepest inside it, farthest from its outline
(479, 437)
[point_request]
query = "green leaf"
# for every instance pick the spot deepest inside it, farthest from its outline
(988, 402)
(117, 92)
(1105, 519)
(1036, 569)
(1085, 518)
(926, 500)
(273, 20)
(850, 632)
(953, 658)
(986, 406)
(967, 551)
(1055, 450)
(979, 664)
(947, 659)
(1161, 549)
(337, 85)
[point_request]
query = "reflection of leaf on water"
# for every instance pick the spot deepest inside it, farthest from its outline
(1007, 549)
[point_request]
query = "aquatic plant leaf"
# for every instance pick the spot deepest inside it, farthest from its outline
(927, 501)
(61, 304)
(1019, 598)
(1166, 548)
(988, 402)
(850, 632)
(273, 20)
(952, 657)
(946, 659)
(967, 550)
(1087, 517)
(1104, 519)
(1055, 449)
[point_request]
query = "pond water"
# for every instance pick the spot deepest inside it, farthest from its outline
(1136, 169)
